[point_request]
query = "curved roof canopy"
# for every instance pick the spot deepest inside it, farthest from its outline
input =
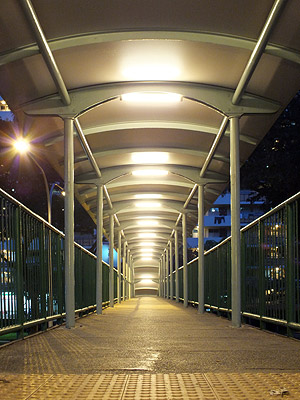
(151, 86)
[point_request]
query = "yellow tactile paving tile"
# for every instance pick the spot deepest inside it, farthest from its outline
(84, 387)
(165, 387)
(20, 386)
(255, 385)
(210, 386)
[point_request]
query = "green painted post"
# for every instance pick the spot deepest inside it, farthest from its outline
(60, 285)
(219, 273)
(262, 301)
(291, 210)
(228, 264)
(19, 269)
(243, 273)
(78, 279)
(43, 271)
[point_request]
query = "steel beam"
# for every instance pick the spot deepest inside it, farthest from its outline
(124, 270)
(85, 39)
(258, 50)
(235, 223)
(160, 279)
(69, 224)
(119, 265)
(190, 173)
(201, 249)
(215, 97)
(161, 124)
(171, 270)
(176, 267)
(131, 277)
(45, 51)
(99, 294)
(127, 273)
(167, 272)
(184, 251)
(111, 261)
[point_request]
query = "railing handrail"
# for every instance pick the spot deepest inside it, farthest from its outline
(41, 219)
(272, 211)
(256, 221)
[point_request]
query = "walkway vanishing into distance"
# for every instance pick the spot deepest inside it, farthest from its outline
(150, 345)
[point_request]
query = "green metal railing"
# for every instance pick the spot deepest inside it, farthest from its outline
(32, 278)
(270, 270)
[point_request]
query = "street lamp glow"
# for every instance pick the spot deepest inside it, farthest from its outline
(150, 172)
(148, 204)
(22, 145)
(150, 157)
(148, 196)
(151, 97)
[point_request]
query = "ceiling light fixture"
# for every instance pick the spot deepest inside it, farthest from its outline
(148, 196)
(147, 222)
(147, 244)
(147, 235)
(146, 281)
(151, 97)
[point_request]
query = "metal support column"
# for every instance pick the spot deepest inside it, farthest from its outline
(235, 222)
(127, 274)
(171, 270)
(131, 278)
(201, 249)
(159, 278)
(167, 272)
(176, 267)
(124, 270)
(111, 260)
(99, 298)
(69, 223)
(119, 265)
(184, 253)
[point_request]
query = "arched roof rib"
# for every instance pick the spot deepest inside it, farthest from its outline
(228, 69)
(67, 42)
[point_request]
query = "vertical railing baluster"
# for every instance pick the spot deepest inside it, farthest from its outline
(19, 268)
(290, 266)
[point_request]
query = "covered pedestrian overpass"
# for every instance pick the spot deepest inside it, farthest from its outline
(147, 109)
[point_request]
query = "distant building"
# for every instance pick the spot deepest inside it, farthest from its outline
(86, 240)
(217, 220)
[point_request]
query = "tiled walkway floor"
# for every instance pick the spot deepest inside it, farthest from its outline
(210, 386)
(149, 348)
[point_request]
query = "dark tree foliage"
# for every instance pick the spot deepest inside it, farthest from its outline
(273, 170)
